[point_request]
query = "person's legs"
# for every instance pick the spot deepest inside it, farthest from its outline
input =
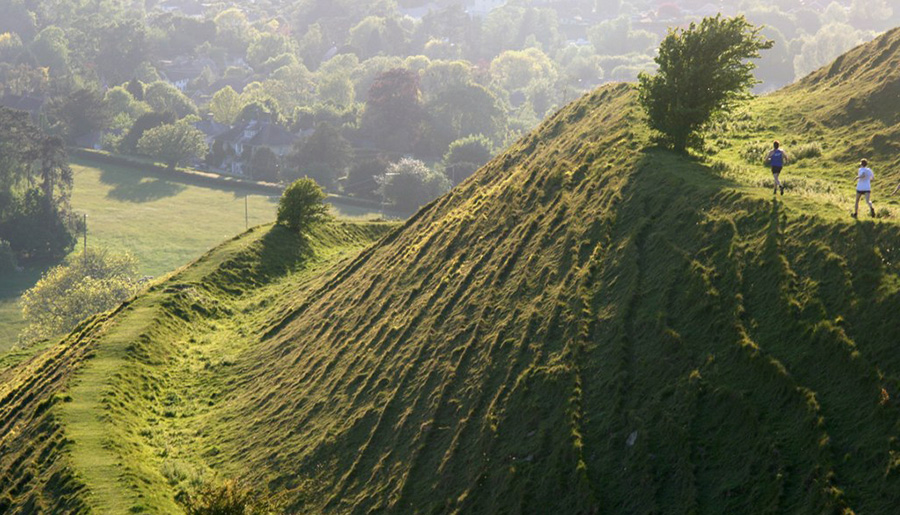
(869, 202)
(777, 182)
(856, 206)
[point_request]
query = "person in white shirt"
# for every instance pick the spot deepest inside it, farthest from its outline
(864, 186)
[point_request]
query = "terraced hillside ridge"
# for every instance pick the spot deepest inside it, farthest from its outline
(589, 324)
(80, 422)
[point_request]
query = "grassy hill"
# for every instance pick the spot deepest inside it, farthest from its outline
(589, 324)
(164, 223)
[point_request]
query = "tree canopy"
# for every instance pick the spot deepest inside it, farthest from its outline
(703, 70)
(173, 143)
(302, 204)
(35, 188)
(86, 284)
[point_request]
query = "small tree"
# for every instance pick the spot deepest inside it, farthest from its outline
(173, 144)
(302, 204)
(409, 184)
(465, 156)
(83, 286)
(702, 71)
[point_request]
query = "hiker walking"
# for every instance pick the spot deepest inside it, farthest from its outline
(776, 158)
(864, 186)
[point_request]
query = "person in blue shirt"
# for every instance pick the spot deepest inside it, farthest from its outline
(777, 158)
(864, 186)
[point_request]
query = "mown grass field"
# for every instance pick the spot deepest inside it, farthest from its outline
(165, 224)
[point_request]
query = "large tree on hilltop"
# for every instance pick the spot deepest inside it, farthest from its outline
(703, 70)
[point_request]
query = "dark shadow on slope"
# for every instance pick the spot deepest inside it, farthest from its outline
(275, 254)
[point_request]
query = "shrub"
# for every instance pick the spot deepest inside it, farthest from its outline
(409, 184)
(301, 205)
(229, 498)
(81, 287)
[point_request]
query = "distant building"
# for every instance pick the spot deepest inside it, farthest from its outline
(182, 71)
(240, 142)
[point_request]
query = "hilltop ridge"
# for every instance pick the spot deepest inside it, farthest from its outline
(588, 324)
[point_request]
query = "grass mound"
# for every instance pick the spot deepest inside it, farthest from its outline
(588, 324)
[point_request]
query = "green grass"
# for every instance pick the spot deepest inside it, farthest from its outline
(165, 224)
(589, 324)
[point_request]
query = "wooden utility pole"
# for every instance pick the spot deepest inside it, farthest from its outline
(84, 237)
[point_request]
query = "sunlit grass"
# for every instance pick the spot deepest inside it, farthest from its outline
(165, 224)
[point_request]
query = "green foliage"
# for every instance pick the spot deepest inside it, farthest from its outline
(821, 48)
(362, 177)
(516, 69)
(225, 105)
(85, 285)
(267, 46)
(703, 71)
(162, 97)
(34, 200)
(466, 155)
(409, 184)
(124, 108)
(393, 111)
(617, 37)
(302, 205)
(173, 144)
(467, 109)
(51, 49)
(78, 114)
(228, 498)
(121, 46)
(144, 123)
(233, 30)
(323, 156)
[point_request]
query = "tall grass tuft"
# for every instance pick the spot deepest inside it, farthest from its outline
(227, 498)
(755, 153)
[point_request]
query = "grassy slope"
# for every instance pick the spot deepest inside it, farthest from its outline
(164, 224)
(125, 372)
(588, 324)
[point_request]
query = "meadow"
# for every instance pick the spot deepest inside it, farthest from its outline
(164, 223)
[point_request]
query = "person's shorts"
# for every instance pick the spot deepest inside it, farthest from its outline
(776, 169)
(863, 191)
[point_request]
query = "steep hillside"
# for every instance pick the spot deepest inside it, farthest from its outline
(829, 120)
(589, 324)
(76, 421)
